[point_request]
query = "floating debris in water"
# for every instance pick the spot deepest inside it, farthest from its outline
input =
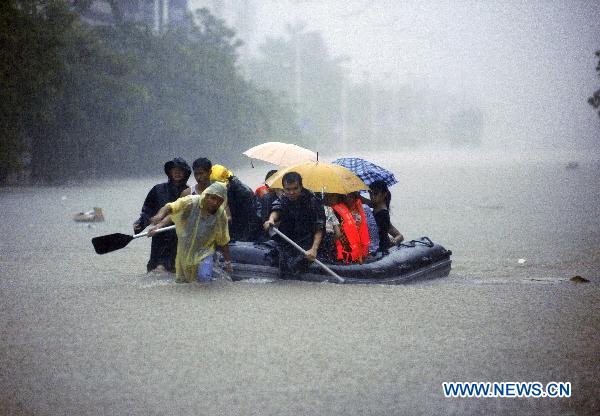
(90, 216)
(63, 198)
(521, 261)
(579, 279)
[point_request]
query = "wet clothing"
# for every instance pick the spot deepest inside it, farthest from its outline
(300, 220)
(198, 231)
(373, 230)
(382, 218)
(241, 203)
(331, 220)
(244, 221)
(262, 205)
(327, 249)
(164, 245)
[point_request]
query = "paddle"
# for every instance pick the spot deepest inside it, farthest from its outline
(300, 249)
(111, 242)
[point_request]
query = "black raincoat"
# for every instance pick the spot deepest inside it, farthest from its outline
(300, 220)
(244, 221)
(164, 245)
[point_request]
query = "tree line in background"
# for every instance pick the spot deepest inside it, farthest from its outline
(79, 100)
(92, 101)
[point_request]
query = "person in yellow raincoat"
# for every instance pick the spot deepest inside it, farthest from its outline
(201, 225)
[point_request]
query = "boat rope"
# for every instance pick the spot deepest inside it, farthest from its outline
(413, 243)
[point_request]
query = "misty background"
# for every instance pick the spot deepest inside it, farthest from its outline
(526, 68)
(97, 88)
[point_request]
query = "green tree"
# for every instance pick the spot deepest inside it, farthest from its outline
(14, 71)
(85, 101)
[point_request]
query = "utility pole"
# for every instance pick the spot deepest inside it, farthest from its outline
(297, 69)
(344, 111)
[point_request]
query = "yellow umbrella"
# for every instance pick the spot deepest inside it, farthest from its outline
(281, 154)
(322, 177)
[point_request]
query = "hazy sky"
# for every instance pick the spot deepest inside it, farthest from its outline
(529, 64)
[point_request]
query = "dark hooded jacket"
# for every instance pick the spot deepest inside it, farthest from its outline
(300, 220)
(164, 245)
(244, 222)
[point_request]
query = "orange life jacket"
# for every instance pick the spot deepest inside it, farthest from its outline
(357, 237)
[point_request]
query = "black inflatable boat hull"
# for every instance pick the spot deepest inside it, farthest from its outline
(417, 260)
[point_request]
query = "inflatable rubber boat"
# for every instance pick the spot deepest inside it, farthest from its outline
(415, 260)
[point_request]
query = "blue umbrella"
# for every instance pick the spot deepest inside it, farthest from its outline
(367, 171)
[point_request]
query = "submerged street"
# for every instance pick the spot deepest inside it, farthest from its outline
(88, 334)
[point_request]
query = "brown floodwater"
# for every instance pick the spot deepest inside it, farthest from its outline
(87, 334)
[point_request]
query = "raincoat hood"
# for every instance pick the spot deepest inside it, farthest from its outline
(215, 188)
(178, 162)
(220, 173)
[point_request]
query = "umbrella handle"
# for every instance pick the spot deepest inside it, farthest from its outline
(297, 247)
(160, 230)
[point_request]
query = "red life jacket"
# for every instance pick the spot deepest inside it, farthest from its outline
(358, 238)
(261, 190)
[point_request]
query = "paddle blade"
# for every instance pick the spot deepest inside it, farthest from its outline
(111, 242)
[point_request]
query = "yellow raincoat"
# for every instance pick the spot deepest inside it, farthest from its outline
(198, 232)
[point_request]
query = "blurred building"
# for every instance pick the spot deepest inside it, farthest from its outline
(157, 14)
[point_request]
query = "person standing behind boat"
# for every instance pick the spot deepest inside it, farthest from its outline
(202, 168)
(201, 225)
(381, 198)
(164, 245)
(352, 246)
(302, 219)
(240, 209)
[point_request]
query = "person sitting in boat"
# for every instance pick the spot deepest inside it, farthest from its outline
(241, 210)
(164, 245)
(201, 225)
(301, 217)
(373, 229)
(263, 198)
(352, 244)
(381, 198)
(201, 168)
(264, 188)
(327, 248)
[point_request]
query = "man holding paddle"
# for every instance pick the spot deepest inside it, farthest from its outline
(201, 226)
(302, 220)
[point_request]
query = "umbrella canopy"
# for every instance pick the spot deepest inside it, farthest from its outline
(321, 177)
(367, 171)
(281, 154)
